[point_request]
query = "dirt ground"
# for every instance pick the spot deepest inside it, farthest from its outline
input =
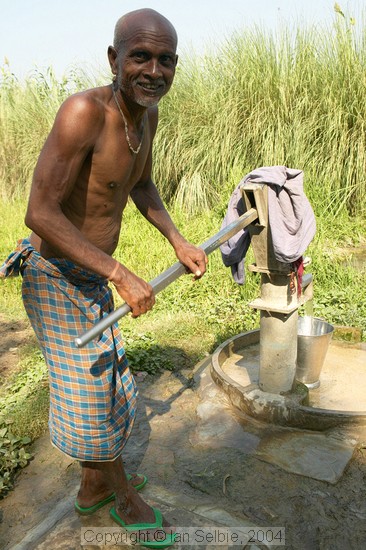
(317, 515)
(13, 335)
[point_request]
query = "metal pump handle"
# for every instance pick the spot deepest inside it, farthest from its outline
(168, 276)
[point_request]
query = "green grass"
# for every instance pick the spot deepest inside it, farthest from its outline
(24, 402)
(27, 111)
(261, 99)
(295, 98)
(24, 395)
(215, 306)
(190, 319)
(12, 229)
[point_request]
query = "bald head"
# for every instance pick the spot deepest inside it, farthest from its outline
(130, 25)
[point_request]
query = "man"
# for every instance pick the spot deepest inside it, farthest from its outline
(98, 153)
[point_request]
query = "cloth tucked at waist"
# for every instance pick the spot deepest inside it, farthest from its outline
(54, 267)
(92, 391)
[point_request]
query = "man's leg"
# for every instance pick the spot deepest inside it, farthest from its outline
(101, 479)
(95, 486)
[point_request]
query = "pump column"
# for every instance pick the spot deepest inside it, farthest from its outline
(278, 303)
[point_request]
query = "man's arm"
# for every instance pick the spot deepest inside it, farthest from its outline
(147, 199)
(72, 138)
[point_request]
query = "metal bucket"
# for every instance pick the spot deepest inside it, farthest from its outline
(313, 338)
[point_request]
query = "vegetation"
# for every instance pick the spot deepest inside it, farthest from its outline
(296, 99)
(24, 412)
(259, 100)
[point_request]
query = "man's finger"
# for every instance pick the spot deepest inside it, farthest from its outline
(193, 268)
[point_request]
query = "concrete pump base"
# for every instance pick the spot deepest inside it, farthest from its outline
(337, 401)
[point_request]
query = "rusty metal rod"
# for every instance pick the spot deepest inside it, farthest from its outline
(168, 276)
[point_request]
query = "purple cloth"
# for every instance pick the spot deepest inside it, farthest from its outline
(290, 215)
(234, 250)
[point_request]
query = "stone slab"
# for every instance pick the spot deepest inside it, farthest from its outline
(314, 455)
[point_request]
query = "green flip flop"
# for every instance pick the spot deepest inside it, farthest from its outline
(91, 509)
(169, 539)
(140, 485)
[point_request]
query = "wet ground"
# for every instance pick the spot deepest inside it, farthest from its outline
(343, 375)
(208, 467)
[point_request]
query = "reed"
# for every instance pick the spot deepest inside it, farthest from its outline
(27, 111)
(293, 98)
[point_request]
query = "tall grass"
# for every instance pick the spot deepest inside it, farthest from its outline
(294, 98)
(27, 111)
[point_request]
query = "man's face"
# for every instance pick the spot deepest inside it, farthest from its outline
(145, 66)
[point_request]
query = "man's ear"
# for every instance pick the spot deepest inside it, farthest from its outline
(112, 58)
(176, 60)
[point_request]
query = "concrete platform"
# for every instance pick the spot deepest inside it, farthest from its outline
(339, 400)
(209, 466)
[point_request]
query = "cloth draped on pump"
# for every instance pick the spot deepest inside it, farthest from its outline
(92, 391)
(290, 217)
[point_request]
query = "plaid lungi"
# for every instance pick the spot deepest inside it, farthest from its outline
(92, 391)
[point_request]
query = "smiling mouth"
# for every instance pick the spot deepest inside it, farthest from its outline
(150, 88)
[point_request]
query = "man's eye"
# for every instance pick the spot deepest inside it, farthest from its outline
(139, 56)
(167, 60)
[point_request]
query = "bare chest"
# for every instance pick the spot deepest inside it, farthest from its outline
(116, 166)
(109, 175)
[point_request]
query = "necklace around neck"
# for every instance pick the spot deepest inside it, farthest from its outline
(134, 151)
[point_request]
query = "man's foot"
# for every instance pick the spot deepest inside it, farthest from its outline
(87, 506)
(154, 534)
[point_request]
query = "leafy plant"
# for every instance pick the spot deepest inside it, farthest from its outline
(145, 354)
(22, 416)
(13, 456)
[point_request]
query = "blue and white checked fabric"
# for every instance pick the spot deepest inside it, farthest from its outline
(92, 391)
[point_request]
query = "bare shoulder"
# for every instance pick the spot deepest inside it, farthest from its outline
(83, 111)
